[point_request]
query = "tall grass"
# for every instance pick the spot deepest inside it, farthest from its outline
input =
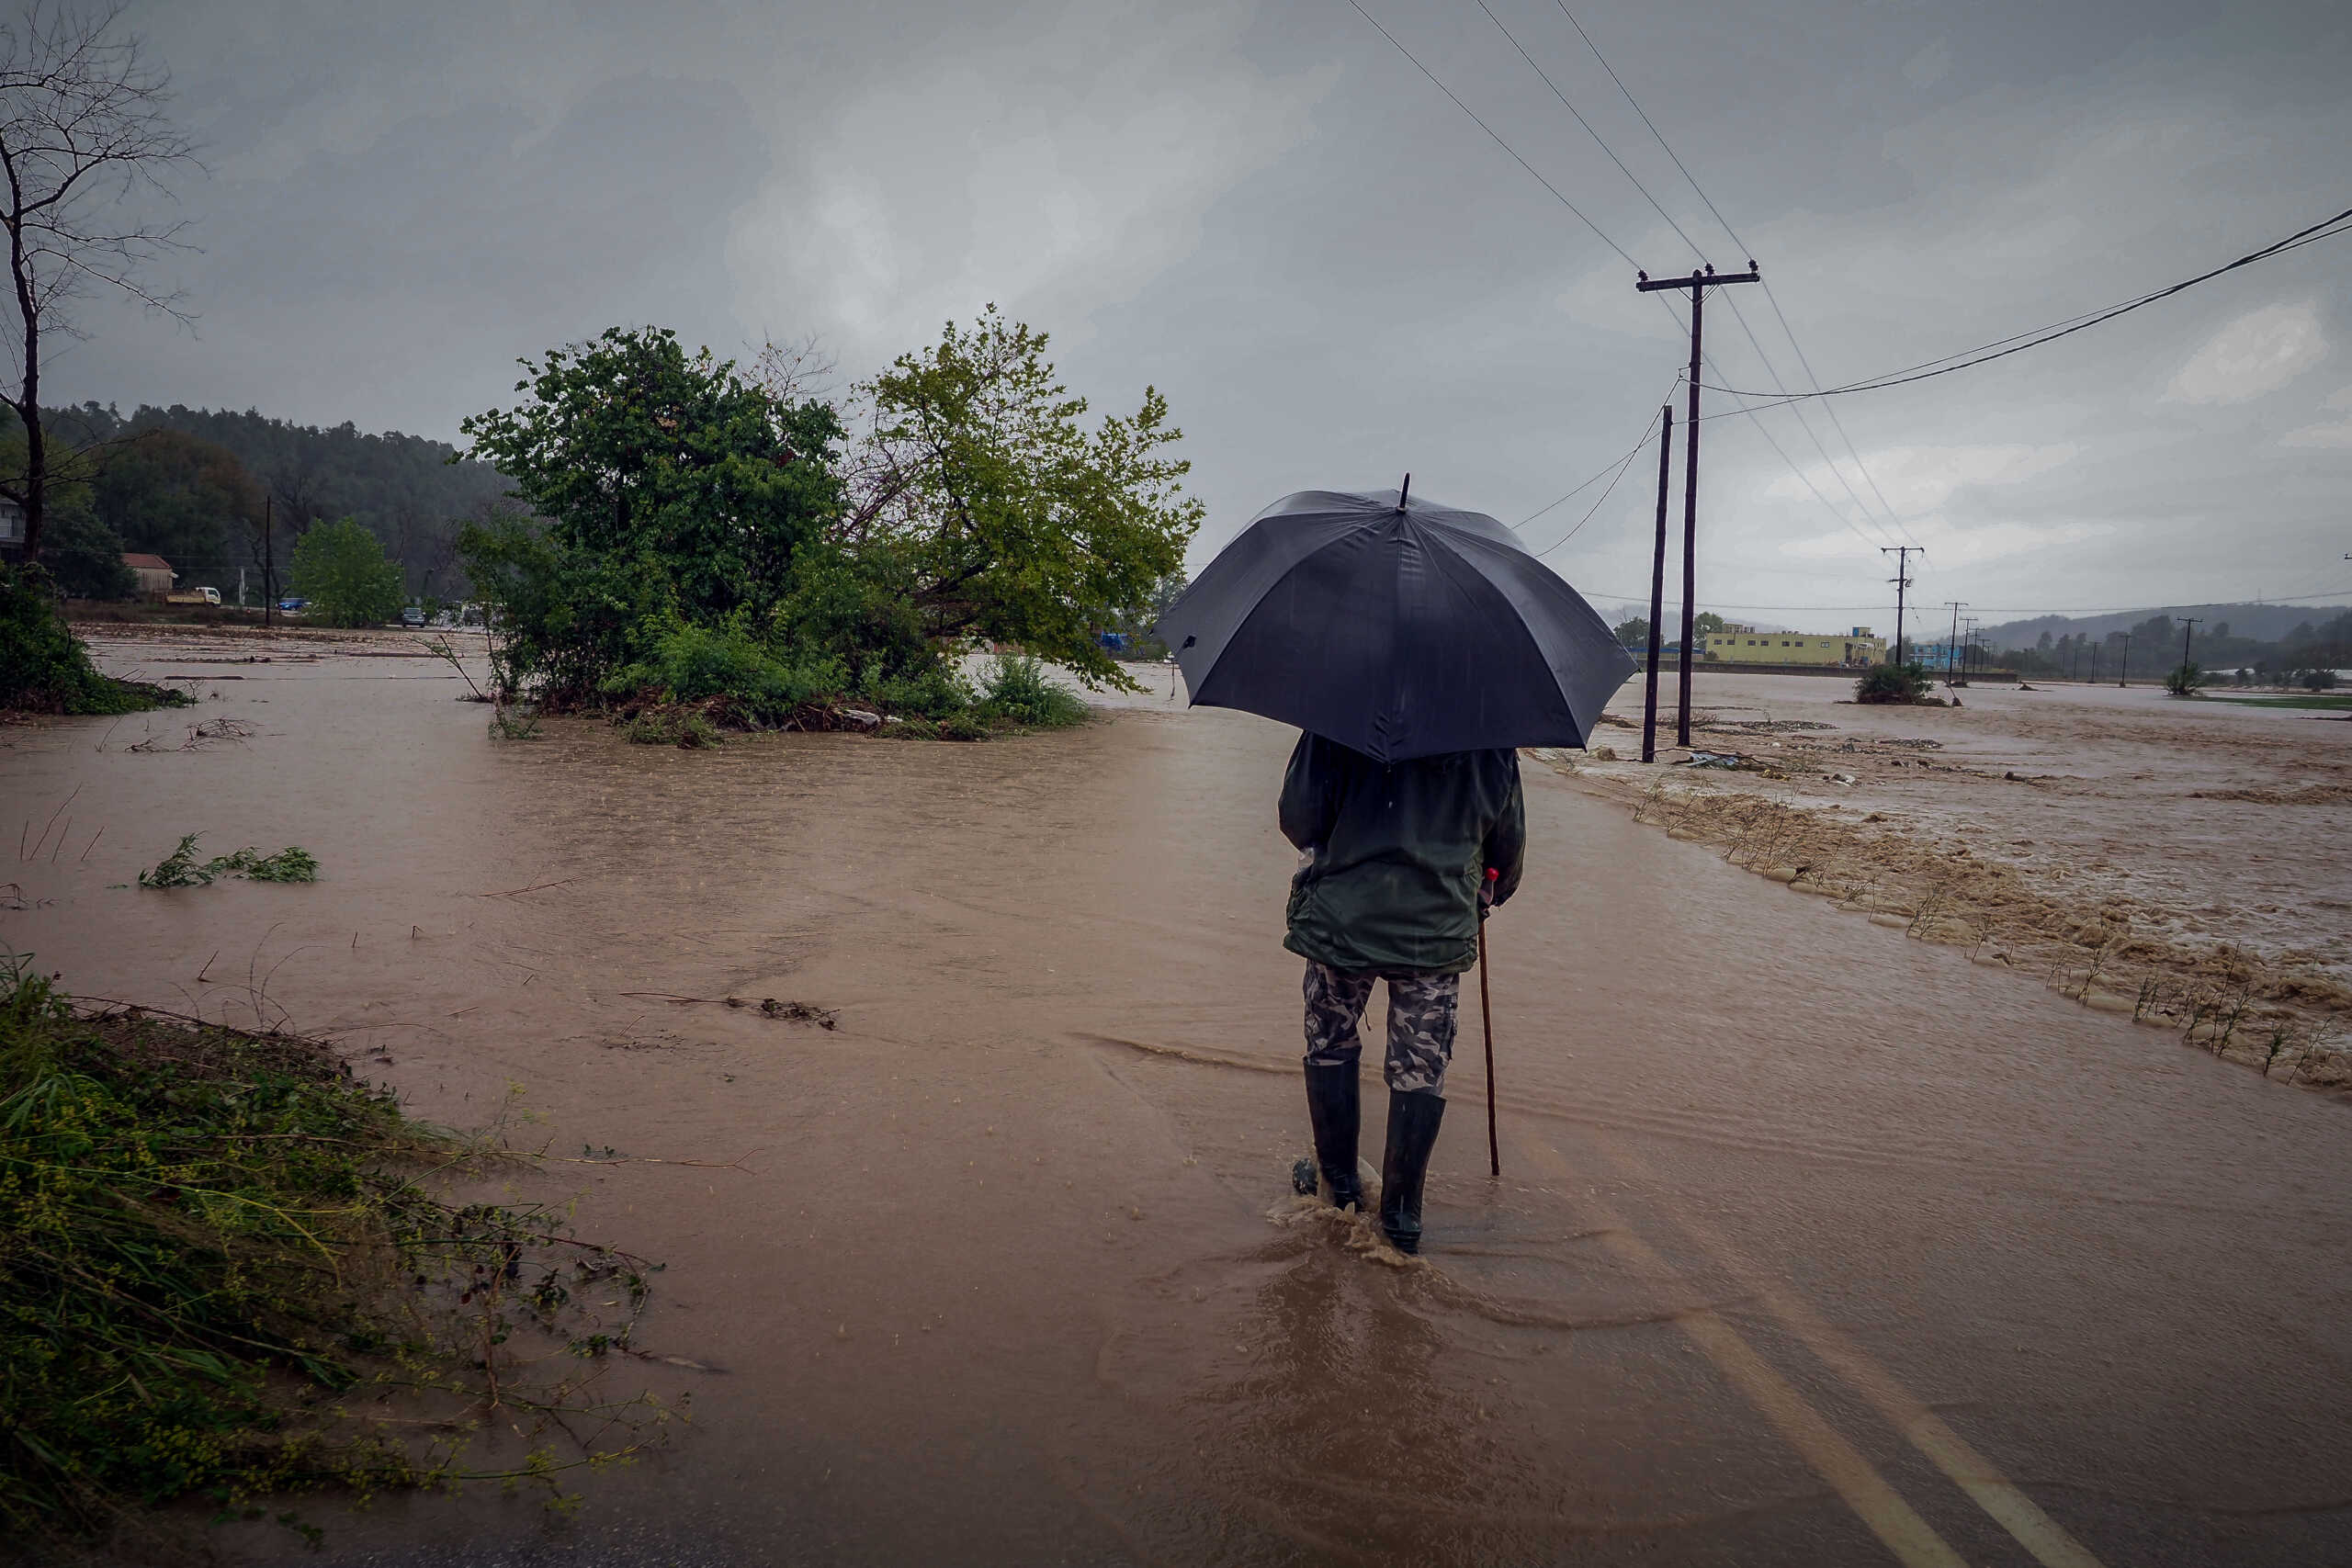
(213, 1244)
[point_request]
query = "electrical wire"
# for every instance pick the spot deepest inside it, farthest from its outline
(1465, 109)
(2011, 609)
(1737, 315)
(1853, 451)
(1625, 463)
(2327, 228)
(1588, 131)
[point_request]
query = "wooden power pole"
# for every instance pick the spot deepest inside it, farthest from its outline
(1902, 580)
(1697, 283)
(1657, 590)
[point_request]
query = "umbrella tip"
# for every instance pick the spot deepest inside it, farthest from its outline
(1403, 491)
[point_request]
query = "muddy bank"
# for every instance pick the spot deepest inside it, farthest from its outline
(1011, 1273)
(2125, 849)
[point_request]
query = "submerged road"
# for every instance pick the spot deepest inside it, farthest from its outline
(1812, 1246)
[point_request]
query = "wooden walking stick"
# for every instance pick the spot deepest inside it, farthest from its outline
(1487, 1021)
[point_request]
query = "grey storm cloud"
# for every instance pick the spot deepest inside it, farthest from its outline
(1333, 273)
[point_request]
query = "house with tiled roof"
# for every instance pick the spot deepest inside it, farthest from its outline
(154, 574)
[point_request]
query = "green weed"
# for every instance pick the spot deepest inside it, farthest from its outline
(182, 869)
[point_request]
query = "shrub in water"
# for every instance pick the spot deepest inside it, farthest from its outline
(44, 667)
(1016, 689)
(1891, 683)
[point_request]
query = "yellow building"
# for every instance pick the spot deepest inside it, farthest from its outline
(1746, 645)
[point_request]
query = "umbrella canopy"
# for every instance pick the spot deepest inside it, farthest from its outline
(1401, 628)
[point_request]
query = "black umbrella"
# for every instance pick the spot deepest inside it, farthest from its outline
(1398, 627)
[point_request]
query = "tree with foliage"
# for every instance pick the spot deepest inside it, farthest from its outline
(341, 568)
(85, 556)
(1634, 631)
(670, 489)
(998, 514)
(82, 127)
(689, 533)
(188, 501)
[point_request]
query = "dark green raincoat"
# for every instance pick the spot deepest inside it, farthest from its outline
(1398, 853)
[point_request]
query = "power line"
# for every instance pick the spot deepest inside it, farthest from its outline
(2327, 228)
(2011, 609)
(1852, 450)
(1489, 129)
(1557, 194)
(1737, 315)
(1645, 120)
(1588, 131)
(1623, 463)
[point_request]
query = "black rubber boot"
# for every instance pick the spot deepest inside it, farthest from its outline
(1335, 1107)
(1413, 1120)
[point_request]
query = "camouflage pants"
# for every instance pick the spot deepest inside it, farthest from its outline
(1422, 1012)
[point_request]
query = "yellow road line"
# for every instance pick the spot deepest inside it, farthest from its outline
(1912, 1539)
(1945, 1448)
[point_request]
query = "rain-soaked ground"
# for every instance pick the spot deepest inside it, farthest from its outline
(1812, 1245)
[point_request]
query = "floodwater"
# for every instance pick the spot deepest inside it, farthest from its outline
(1812, 1245)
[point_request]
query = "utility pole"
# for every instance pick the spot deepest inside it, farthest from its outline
(2188, 625)
(1902, 579)
(2123, 674)
(1657, 588)
(268, 564)
(1957, 605)
(1698, 284)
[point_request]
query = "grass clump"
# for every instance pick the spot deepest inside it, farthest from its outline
(182, 869)
(1015, 690)
(217, 1265)
(43, 666)
(2184, 681)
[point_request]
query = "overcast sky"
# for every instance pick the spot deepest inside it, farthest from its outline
(1334, 273)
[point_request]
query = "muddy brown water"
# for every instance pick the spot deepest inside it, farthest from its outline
(1812, 1245)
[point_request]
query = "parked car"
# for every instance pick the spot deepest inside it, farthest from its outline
(413, 615)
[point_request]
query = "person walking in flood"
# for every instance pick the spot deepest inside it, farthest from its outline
(1399, 863)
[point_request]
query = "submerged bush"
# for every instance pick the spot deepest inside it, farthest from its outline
(43, 666)
(686, 663)
(181, 868)
(1016, 689)
(2184, 680)
(1891, 683)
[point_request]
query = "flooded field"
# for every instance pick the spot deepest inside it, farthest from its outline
(2182, 862)
(1812, 1245)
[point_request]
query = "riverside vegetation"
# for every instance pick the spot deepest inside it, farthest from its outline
(227, 1274)
(699, 548)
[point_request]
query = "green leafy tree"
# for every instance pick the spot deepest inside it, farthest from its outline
(1706, 624)
(186, 500)
(1634, 631)
(655, 484)
(998, 514)
(85, 556)
(341, 567)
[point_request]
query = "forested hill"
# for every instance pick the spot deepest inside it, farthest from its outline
(312, 472)
(163, 494)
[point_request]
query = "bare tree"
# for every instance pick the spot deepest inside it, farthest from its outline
(82, 131)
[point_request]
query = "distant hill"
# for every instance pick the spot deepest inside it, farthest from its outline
(405, 488)
(2268, 623)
